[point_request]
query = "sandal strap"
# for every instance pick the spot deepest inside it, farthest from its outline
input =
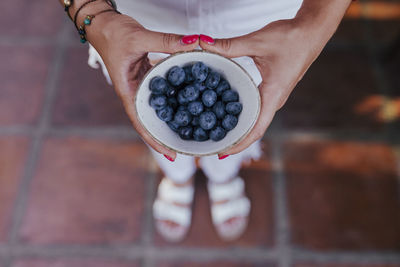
(220, 192)
(234, 208)
(168, 211)
(169, 192)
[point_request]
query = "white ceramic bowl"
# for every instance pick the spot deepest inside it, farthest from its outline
(237, 77)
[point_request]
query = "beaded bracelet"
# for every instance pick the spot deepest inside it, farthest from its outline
(88, 18)
(88, 21)
(79, 10)
(67, 4)
(111, 3)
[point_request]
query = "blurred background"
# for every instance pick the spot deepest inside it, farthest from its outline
(77, 184)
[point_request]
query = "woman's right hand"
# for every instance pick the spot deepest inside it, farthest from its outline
(123, 45)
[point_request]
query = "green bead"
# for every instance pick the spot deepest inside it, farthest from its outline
(83, 39)
(87, 21)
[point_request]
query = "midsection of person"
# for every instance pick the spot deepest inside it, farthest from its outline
(217, 18)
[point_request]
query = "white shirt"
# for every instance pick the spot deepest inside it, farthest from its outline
(216, 18)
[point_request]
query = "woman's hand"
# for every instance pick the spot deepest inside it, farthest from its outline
(282, 51)
(282, 55)
(123, 45)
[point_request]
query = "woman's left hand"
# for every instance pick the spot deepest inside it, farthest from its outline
(282, 51)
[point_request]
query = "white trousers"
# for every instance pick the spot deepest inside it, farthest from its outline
(218, 171)
(218, 19)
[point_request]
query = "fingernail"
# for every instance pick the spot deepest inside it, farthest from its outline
(223, 157)
(169, 158)
(189, 39)
(207, 39)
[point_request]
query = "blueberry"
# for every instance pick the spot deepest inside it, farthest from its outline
(195, 108)
(181, 98)
(195, 121)
(173, 126)
(217, 133)
(195, 102)
(191, 93)
(176, 76)
(171, 91)
(222, 86)
(229, 122)
(230, 96)
(199, 134)
(213, 79)
(182, 117)
(186, 132)
(219, 109)
(233, 108)
(173, 102)
(188, 74)
(200, 86)
(158, 85)
(181, 108)
(158, 101)
(207, 120)
(209, 98)
(165, 114)
(200, 71)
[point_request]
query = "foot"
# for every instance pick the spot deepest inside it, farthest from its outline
(172, 209)
(230, 208)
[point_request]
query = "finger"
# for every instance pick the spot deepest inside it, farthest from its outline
(168, 42)
(269, 103)
(230, 47)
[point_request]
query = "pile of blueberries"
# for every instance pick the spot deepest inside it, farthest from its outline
(195, 102)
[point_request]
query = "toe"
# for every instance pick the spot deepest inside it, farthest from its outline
(232, 228)
(171, 231)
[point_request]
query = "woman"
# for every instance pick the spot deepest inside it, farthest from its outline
(274, 40)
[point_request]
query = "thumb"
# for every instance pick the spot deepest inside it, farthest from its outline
(169, 42)
(230, 47)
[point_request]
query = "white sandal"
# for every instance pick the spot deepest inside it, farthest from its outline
(173, 204)
(228, 201)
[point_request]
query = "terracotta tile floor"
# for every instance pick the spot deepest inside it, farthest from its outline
(77, 184)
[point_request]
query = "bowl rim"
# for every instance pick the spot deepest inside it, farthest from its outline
(193, 154)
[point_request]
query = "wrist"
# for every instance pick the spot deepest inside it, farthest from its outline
(111, 27)
(98, 31)
(94, 12)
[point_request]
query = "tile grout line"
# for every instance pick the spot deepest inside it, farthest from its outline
(136, 252)
(127, 132)
(282, 228)
(21, 199)
(18, 130)
(119, 132)
(147, 221)
(22, 41)
(371, 257)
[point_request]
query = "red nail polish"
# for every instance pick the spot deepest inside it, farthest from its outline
(169, 158)
(207, 39)
(223, 157)
(189, 39)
